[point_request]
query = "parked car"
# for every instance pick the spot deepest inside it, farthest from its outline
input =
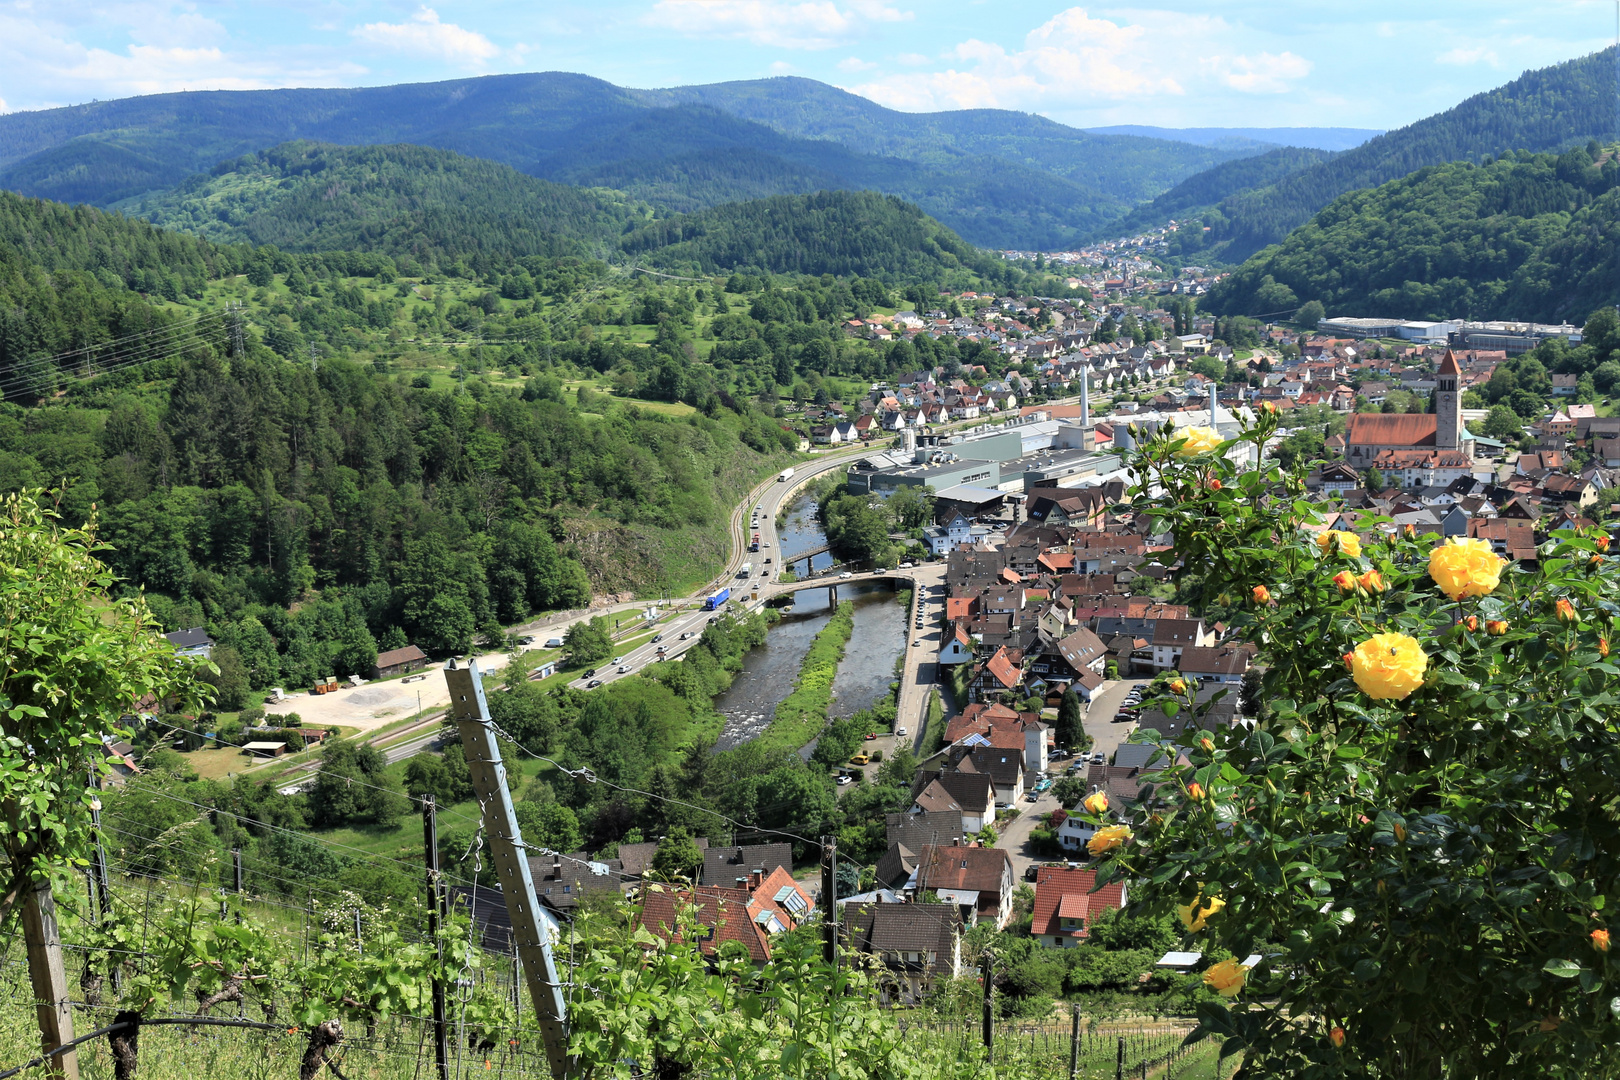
(1099, 758)
(845, 780)
(900, 731)
(1032, 797)
(871, 735)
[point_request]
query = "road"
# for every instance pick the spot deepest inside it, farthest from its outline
(1106, 738)
(756, 513)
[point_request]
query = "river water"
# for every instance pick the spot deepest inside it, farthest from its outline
(768, 672)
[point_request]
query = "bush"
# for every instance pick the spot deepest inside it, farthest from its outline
(1420, 838)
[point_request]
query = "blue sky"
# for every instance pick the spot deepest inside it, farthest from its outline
(1372, 63)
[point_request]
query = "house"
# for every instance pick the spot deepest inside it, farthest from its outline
(979, 880)
(1172, 636)
(778, 902)
(958, 649)
(192, 642)
(636, 859)
(721, 917)
(560, 881)
(731, 866)
(1223, 665)
(917, 944)
(1066, 906)
(1083, 651)
(1004, 767)
(972, 795)
(399, 661)
(951, 530)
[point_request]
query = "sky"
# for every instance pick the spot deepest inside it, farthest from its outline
(1173, 63)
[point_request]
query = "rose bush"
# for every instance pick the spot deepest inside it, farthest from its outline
(1418, 828)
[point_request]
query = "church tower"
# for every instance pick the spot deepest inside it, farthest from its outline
(1448, 405)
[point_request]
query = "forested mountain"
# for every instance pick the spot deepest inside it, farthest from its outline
(1527, 236)
(1203, 191)
(1126, 168)
(838, 232)
(1001, 179)
(1549, 109)
(431, 205)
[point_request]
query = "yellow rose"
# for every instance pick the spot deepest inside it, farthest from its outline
(1108, 839)
(1193, 917)
(1198, 440)
(1388, 666)
(1464, 568)
(1226, 978)
(1095, 803)
(1349, 543)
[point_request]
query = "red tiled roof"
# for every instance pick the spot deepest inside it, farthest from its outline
(1002, 668)
(722, 912)
(1062, 893)
(1392, 429)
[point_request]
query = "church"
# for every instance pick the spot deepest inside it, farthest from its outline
(1414, 450)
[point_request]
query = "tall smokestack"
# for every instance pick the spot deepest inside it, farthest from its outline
(1214, 399)
(1085, 398)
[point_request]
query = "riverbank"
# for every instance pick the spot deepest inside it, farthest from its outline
(803, 713)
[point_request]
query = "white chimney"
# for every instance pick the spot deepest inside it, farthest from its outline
(1214, 399)
(1085, 398)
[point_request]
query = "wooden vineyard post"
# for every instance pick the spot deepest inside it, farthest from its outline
(534, 928)
(49, 979)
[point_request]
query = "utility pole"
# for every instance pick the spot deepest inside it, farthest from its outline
(436, 901)
(534, 927)
(829, 896)
(49, 979)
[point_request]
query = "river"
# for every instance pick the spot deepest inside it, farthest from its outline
(768, 672)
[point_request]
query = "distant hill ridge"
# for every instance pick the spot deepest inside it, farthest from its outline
(1548, 109)
(1526, 236)
(1001, 179)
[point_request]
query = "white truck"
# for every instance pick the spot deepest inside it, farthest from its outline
(785, 475)
(747, 568)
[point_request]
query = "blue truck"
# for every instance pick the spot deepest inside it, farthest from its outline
(713, 601)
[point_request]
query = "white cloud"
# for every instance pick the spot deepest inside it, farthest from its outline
(1075, 60)
(1266, 73)
(912, 59)
(1463, 57)
(781, 67)
(782, 24)
(425, 35)
(855, 63)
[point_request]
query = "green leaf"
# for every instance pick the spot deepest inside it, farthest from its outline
(1563, 969)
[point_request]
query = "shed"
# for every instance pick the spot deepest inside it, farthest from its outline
(399, 661)
(265, 749)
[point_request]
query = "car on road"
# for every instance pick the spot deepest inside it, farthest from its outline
(1032, 797)
(525, 640)
(1099, 758)
(906, 565)
(657, 638)
(689, 634)
(899, 731)
(624, 669)
(917, 643)
(846, 574)
(881, 570)
(767, 562)
(618, 659)
(589, 673)
(593, 684)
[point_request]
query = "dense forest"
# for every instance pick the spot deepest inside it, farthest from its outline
(832, 232)
(320, 454)
(1526, 236)
(999, 178)
(1201, 192)
(1545, 110)
(431, 206)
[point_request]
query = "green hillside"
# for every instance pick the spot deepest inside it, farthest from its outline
(433, 206)
(1197, 194)
(1529, 236)
(839, 232)
(680, 150)
(1546, 110)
